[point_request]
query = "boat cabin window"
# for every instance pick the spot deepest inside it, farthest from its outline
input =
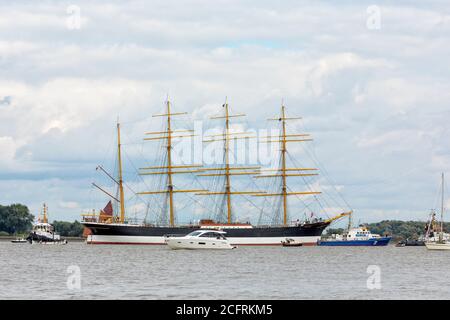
(212, 235)
(208, 235)
(195, 233)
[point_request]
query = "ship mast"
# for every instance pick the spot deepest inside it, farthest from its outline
(283, 165)
(119, 181)
(284, 171)
(169, 166)
(121, 194)
(441, 236)
(227, 163)
(156, 170)
(229, 170)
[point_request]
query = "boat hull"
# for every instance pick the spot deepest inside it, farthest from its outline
(384, 241)
(414, 243)
(102, 233)
(437, 246)
(35, 237)
(177, 243)
(19, 241)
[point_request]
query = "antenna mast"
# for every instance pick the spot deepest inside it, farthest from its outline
(45, 219)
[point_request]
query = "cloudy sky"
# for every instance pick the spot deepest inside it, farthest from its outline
(370, 79)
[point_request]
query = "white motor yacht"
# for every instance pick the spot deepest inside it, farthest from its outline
(200, 239)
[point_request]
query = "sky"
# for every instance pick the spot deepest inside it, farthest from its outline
(370, 79)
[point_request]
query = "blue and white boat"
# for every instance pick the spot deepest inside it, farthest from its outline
(356, 237)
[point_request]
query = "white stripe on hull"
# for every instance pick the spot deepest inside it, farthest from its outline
(100, 239)
(437, 246)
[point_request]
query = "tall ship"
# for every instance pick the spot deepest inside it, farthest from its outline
(219, 210)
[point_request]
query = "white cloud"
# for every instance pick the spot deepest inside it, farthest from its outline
(376, 101)
(69, 205)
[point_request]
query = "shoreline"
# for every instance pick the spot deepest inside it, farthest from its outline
(9, 238)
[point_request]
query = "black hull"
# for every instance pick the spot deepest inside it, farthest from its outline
(32, 237)
(122, 233)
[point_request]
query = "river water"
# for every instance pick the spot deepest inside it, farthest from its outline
(80, 271)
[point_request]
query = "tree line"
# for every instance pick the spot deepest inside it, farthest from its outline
(16, 219)
(395, 228)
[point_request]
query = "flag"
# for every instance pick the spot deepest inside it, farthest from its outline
(106, 213)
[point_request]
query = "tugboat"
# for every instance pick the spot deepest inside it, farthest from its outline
(291, 243)
(43, 232)
(360, 236)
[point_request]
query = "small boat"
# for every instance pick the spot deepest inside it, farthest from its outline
(200, 239)
(56, 242)
(431, 233)
(291, 243)
(411, 243)
(43, 232)
(400, 244)
(19, 240)
(441, 243)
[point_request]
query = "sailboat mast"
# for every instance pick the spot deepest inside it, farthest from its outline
(442, 206)
(119, 155)
(227, 170)
(227, 163)
(169, 166)
(284, 171)
(171, 169)
(283, 165)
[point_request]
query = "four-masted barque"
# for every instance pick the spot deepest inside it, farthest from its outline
(110, 228)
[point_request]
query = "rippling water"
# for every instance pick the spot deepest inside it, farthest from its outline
(156, 272)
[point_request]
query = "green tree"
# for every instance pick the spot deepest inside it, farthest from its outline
(15, 218)
(395, 228)
(68, 229)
